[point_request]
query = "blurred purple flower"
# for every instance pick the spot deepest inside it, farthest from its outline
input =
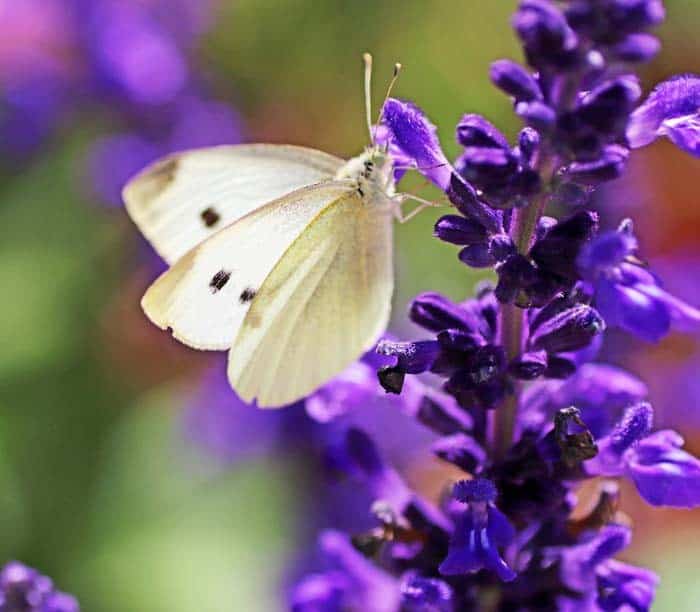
(351, 583)
(23, 589)
(672, 110)
(218, 421)
(192, 122)
(626, 293)
(664, 474)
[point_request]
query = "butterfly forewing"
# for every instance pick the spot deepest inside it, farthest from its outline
(205, 296)
(185, 198)
(325, 302)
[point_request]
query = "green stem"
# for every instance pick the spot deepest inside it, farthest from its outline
(511, 318)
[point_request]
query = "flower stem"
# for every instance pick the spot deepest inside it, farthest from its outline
(511, 318)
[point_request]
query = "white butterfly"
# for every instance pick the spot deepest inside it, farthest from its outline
(282, 254)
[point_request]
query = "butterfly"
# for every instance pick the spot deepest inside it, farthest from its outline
(280, 254)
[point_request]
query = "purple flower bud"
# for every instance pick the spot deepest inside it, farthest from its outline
(559, 367)
(607, 167)
(528, 366)
(529, 144)
(537, 114)
(546, 35)
(607, 107)
(515, 80)
(436, 312)
(475, 131)
(412, 357)
(461, 450)
(556, 253)
(441, 413)
(458, 230)
(570, 330)
(514, 274)
(457, 340)
(672, 110)
(638, 14)
(479, 164)
(465, 199)
(501, 246)
(477, 256)
(417, 138)
(637, 48)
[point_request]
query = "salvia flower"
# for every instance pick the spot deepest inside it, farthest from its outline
(479, 532)
(664, 473)
(626, 293)
(672, 110)
(531, 416)
(23, 589)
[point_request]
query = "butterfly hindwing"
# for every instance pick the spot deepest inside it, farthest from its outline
(185, 198)
(325, 303)
(205, 296)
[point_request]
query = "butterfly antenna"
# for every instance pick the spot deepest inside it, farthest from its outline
(394, 78)
(367, 59)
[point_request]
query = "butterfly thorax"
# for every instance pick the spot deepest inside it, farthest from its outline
(374, 173)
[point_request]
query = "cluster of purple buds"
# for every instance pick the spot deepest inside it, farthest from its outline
(23, 589)
(539, 417)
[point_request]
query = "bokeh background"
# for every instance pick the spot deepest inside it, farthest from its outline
(127, 471)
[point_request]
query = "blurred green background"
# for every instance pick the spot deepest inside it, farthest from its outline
(97, 486)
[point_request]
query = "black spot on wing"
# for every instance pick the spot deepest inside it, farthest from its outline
(210, 217)
(219, 280)
(247, 295)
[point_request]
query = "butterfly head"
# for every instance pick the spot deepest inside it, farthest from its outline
(373, 170)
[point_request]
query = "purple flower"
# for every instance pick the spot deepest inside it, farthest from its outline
(626, 293)
(23, 589)
(623, 586)
(219, 422)
(417, 138)
(665, 475)
(478, 533)
(602, 583)
(672, 110)
(352, 583)
(115, 159)
(600, 392)
(357, 456)
(421, 594)
(192, 122)
(133, 55)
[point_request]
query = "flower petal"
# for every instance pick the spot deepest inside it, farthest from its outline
(665, 474)
(632, 310)
(671, 109)
(416, 137)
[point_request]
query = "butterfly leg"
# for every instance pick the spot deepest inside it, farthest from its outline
(400, 198)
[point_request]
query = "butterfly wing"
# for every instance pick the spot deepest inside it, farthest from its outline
(184, 198)
(325, 303)
(206, 295)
